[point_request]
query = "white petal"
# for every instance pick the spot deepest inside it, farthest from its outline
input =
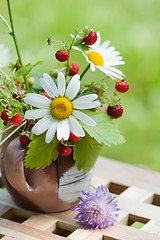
(105, 45)
(75, 127)
(92, 66)
(59, 131)
(84, 118)
(51, 131)
(49, 86)
(110, 73)
(87, 105)
(65, 129)
(36, 113)
(84, 99)
(61, 82)
(73, 87)
(37, 100)
(42, 125)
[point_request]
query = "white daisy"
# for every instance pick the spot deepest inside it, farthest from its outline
(4, 56)
(59, 113)
(104, 58)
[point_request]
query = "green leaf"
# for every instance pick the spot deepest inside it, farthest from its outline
(105, 130)
(40, 153)
(15, 103)
(25, 70)
(86, 152)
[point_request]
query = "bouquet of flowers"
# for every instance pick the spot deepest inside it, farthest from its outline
(57, 112)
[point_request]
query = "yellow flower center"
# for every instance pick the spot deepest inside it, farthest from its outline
(61, 108)
(96, 58)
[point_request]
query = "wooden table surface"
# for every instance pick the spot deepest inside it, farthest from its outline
(138, 193)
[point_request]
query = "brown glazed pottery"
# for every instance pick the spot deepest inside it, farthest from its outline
(53, 189)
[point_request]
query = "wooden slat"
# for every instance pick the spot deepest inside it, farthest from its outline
(20, 231)
(126, 174)
(140, 209)
(152, 226)
(42, 222)
(138, 194)
(119, 231)
(122, 232)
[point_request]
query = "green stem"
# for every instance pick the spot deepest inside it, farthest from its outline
(69, 52)
(13, 33)
(15, 41)
(5, 139)
(85, 70)
(5, 130)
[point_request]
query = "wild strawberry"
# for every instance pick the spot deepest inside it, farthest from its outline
(4, 115)
(74, 138)
(91, 39)
(62, 56)
(74, 69)
(46, 95)
(57, 138)
(24, 140)
(115, 111)
(16, 120)
(122, 86)
(64, 151)
(96, 89)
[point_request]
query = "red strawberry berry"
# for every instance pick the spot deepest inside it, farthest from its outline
(64, 151)
(62, 56)
(57, 138)
(4, 115)
(16, 120)
(74, 138)
(122, 86)
(91, 39)
(74, 69)
(96, 89)
(24, 140)
(115, 111)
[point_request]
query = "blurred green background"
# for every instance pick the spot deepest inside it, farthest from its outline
(131, 26)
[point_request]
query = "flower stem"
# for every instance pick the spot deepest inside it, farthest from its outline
(5, 139)
(15, 41)
(6, 129)
(70, 48)
(13, 33)
(84, 72)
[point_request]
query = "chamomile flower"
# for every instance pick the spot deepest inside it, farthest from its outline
(104, 58)
(60, 112)
(4, 56)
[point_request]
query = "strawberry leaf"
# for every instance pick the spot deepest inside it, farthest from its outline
(105, 130)
(40, 153)
(86, 152)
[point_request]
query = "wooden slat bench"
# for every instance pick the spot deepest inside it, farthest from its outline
(138, 193)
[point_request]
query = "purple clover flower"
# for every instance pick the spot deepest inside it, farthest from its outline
(97, 210)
